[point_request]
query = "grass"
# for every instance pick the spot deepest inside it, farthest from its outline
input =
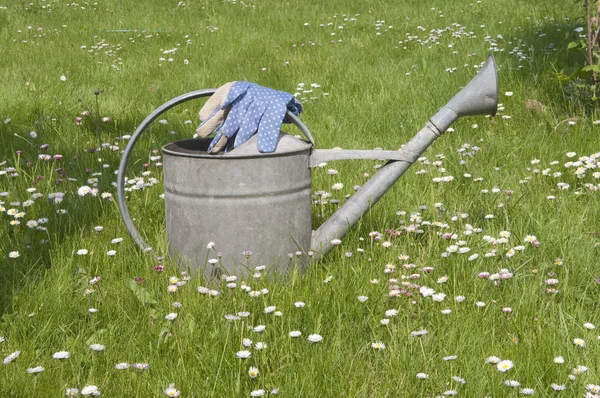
(374, 90)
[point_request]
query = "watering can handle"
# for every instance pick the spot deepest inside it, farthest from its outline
(138, 132)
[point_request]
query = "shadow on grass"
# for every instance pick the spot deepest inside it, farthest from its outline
(38, 248)
(544, 61)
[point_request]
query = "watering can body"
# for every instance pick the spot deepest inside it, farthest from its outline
(254, 209)
(228, 213)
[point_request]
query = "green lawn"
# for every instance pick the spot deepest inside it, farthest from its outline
(369, 74)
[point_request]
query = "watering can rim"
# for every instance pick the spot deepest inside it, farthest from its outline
(298, 146)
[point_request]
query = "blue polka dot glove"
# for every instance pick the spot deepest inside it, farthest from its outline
(238, 110)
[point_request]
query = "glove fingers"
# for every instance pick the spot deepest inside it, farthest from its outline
(215, 101)
(268, 128)
(210, 125)
(238, 90)
(218, 143)
(250, 124)
(236, 116)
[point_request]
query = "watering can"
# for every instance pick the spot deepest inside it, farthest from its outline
(243, 201)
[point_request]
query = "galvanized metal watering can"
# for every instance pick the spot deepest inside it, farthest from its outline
(245, 201)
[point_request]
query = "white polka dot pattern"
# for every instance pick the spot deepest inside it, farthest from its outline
(253, 109)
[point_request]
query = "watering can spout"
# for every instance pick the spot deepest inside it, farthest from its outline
(479, 97)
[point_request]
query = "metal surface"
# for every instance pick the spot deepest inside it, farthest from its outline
(246, 201)
(319, 156)
(136, 135)
(259, 204)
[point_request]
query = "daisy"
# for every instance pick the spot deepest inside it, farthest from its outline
(270, 309)
(97, 347)
(527, 391)
(579, 342)
(391, 313)
(90, 390)
(253, 372)
(11, 357)
(378, 345)
(171, 316)
(171, 391)
(243, 354)
(315, 338)
(295, 333)
(61, 355)
(37, 369)
(260, 346)
(505, 365)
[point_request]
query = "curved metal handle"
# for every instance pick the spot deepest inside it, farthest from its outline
(136, 135)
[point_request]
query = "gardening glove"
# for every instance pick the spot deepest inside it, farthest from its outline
(247, 109)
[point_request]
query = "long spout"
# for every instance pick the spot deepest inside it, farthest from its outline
(479, 97)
